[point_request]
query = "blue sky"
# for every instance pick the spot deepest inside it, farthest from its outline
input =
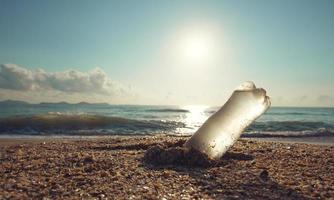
(286, 47)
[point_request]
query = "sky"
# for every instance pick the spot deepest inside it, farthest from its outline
(166, 52)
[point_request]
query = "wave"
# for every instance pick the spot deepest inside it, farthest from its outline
(289, 113)
(289, 129)
(272, 126)
(59, 123)
(56, 123)
(307, 133)
(298, 113)
(169, 110)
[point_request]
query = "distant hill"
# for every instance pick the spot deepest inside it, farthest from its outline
(52, 103)
(63, 103)
(95, 104)
(13, 103)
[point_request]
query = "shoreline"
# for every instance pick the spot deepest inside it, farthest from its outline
(19, 139)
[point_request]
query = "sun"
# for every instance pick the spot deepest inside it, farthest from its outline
(197, 47)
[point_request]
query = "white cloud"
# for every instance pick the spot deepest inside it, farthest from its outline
(16, 78)
(13, 77)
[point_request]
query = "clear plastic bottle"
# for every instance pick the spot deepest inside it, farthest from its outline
(225, 126)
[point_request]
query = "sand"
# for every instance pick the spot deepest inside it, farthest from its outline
(118, 168)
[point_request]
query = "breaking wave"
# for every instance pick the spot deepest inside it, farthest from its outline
(274, 126)
(289, 129)
(82, 124)
(58, 123)
(306, 133)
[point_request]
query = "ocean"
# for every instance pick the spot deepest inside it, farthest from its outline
(83, 119)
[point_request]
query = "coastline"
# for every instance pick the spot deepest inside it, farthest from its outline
(113, 168)
(6, 140)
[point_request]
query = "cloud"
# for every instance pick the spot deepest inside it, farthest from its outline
(16, 78)
(96, 81)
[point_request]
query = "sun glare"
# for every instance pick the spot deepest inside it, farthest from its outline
(197, 47)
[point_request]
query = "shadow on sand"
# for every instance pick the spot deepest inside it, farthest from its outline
(225, 178)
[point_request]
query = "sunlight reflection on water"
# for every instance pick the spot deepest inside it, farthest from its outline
(194, 118)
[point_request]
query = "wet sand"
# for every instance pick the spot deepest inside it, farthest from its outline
(115, 168)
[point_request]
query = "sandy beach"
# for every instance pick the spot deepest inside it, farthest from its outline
(115, 168)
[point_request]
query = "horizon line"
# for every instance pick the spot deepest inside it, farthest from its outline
(133, 104)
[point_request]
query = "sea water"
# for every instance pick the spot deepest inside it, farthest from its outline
(103, 119)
